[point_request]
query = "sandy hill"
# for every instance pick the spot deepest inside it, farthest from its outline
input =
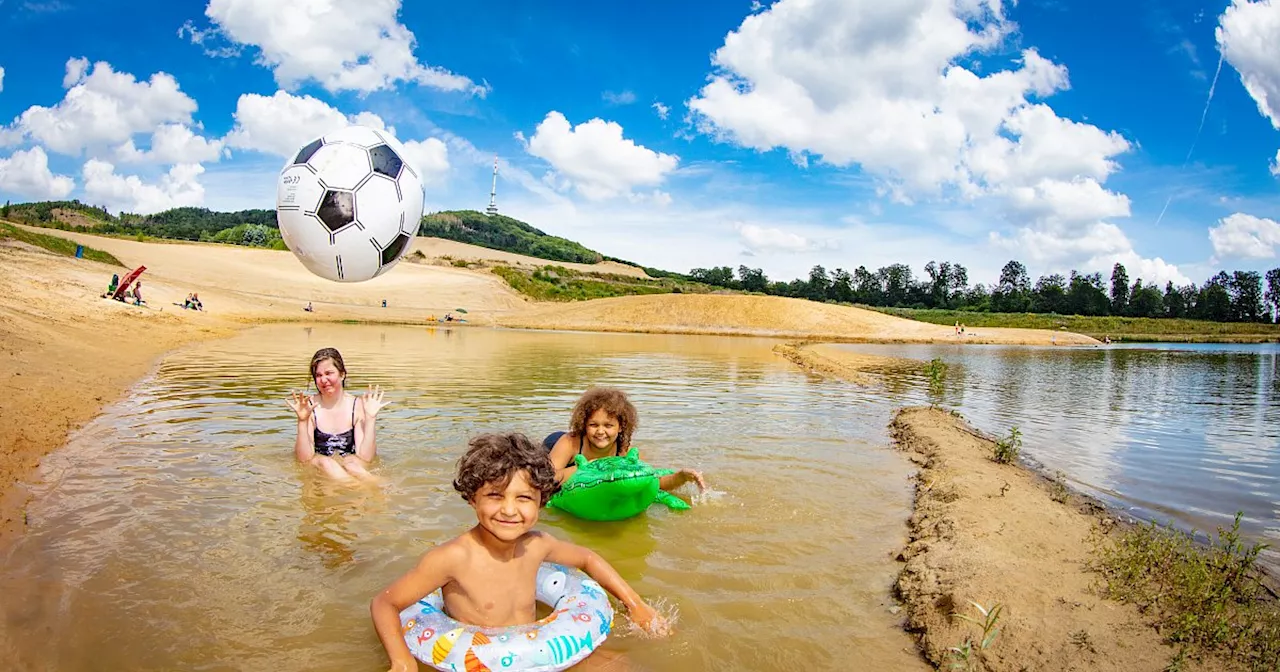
(443, 250)
(759, 315)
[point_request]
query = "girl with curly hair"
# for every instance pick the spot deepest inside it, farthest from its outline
(601, 425)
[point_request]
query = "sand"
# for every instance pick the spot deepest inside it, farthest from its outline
(995, 534)
(66, 353)
(442, 251)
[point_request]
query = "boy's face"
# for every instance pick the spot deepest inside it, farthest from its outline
(508, 513)
(602, 429)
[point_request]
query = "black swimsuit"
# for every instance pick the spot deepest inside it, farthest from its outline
(344, 443)
(553, 437)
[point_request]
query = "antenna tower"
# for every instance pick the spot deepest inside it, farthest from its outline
(493, 193)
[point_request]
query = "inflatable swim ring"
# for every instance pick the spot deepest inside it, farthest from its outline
(579, 622)
(613, 488)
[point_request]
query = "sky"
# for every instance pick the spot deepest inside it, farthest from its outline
(777, 135)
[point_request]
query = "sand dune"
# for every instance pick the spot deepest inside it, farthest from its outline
(762, 316)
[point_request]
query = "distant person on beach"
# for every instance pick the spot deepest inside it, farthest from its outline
(111, 288)
(601, 425)
(137, 293)
(309, 309)
(336, 430)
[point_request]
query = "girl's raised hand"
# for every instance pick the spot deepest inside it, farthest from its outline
(373, 401)
(301, 405)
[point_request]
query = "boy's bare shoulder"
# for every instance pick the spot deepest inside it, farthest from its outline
(451, 553)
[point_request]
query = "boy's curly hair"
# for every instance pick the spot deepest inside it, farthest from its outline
(614, 402)
(496, 458)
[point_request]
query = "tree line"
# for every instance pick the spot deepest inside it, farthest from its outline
(1236, 296)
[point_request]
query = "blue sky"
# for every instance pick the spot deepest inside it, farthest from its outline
(780, 136)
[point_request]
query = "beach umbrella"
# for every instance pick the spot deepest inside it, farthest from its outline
(460, 310)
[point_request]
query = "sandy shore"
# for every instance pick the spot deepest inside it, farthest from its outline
(996, 534)
(66, 353)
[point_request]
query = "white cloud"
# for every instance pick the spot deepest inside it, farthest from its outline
(26, 173)
(1275, 165)
(595, 158)
(344, 45)
(104, 108)
(624, 98)
(282, 123)
(128, 193)
(171, 144)
(661, 109)
(430, 157)
(1244, 236)
(1248, 34)
(879, 86)
(762, 239)
(1, 79)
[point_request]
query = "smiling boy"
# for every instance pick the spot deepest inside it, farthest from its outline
(488, 573)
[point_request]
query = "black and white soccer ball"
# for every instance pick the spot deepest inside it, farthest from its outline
(349, 203)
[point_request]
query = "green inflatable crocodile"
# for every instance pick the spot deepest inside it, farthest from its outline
(613, 488)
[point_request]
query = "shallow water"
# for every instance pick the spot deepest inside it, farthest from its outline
(176, 532)
(1187, 434)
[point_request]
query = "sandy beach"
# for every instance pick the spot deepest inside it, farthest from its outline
(67, 353)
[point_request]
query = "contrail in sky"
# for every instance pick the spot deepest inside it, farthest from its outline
(1203, 115)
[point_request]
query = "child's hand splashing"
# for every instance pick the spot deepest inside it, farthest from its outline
(301, 405)
(649, 620)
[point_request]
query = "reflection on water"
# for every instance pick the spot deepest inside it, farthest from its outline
(1176, 432)
(176, 532)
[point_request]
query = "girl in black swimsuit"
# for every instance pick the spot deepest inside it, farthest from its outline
(602, 423)
(346, 451)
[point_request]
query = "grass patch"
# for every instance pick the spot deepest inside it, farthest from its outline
(1204, 598)
(1007, 449)
(55, 244)
(557, 283)
(1118, 328)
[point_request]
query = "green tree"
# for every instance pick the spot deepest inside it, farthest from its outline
(752, 279)
(867, 289)
(1175, 304)
(4, 212)
(1119, 289)
(1050, 295)
(1013, 293)
(1273, 293)
(1246, 296)
(819, 284)
(841, 286)
(720, 276)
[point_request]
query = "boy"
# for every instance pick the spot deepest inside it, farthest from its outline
(488, 573)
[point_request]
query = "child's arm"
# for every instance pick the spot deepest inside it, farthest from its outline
(561, 457)
(366, 424)
(433, 571)
(304, 447)
(573, 555)
(672, 481)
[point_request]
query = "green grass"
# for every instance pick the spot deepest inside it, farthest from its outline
(1204, 598)
(1118, 328)
(55, 244)
(557, 283)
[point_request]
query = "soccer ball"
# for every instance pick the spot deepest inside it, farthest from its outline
(349, 204)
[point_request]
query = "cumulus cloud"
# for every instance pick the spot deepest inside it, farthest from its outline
(595, 159)
(26, 173)
(172, 144)
(103, 109)
(1275, 165)
(661, 109)
(773, 239)
(343, 45)
(1248, 34)
(1, 79)
(1242, 236)
(282, 123)
(128, 193)
(881, 87)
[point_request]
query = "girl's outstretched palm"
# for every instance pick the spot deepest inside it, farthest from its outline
(373, 401)
(301, 405)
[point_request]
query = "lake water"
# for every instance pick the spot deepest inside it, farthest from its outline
(1187, 434)
(176, 531)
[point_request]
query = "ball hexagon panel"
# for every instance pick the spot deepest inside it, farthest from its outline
(342, 165)
(386, 161)
(393, 251)
(337, 210)
(305, 153)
